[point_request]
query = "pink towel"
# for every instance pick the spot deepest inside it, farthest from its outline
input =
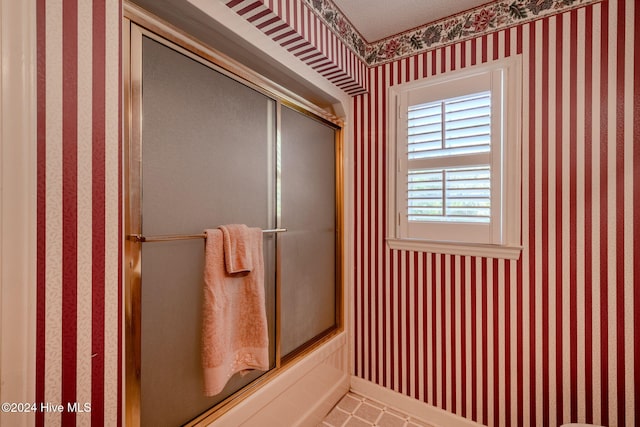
(237, 248)
(234, 332)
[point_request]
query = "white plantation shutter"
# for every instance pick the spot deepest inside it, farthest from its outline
(454, 162)
(453, 194)
(460, 128)
(454, 126)
(454, 158)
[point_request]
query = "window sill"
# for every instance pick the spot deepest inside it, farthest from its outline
(454, 248)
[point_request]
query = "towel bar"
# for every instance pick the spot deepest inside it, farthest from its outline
(138, 238)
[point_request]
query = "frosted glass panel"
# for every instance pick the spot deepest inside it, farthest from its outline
(307, 250)
(207, 159)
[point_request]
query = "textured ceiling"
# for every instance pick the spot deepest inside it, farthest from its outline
(377, 19)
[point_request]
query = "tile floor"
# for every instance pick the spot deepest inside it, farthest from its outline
(359, 411)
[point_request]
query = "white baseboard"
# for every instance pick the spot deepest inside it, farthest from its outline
(409, 405)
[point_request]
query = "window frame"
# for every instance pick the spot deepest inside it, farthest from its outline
(504, 232)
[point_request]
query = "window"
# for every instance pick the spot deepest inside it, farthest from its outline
(454, 162)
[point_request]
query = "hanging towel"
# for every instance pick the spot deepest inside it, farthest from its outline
(237, 248)
(234, 332)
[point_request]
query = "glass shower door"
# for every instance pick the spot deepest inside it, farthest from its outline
(205, 147)
(307, 251)
(207, 150)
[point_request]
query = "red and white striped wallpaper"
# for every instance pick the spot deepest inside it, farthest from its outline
(294, 26)
(540, 341)
(79, 337)
(553, 337)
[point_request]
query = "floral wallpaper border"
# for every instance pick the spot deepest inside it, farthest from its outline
(469, 24)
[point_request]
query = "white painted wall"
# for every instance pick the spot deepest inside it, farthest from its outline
(17, 208)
